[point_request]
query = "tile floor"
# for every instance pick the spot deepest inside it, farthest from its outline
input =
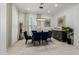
(53, 48)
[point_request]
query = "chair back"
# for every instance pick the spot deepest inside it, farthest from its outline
(36, 36)
(49, 34)
(34, 31)
(44, 35)
(25, 34)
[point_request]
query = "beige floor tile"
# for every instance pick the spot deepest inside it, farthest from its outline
(53, 48)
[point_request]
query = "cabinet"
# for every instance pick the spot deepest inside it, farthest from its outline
(62, 36)
(59, 35)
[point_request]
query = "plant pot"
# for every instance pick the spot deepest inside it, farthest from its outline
(68, 40)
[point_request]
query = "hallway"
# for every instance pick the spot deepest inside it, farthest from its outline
(53, 48)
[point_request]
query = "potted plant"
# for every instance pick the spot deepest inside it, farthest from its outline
(69, 32)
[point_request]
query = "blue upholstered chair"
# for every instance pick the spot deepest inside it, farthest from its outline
(49, 34)
(36, 37)
(45, 37)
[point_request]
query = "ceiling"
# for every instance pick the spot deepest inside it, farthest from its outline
(49, 8)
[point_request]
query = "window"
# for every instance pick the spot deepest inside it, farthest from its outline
(32, 25)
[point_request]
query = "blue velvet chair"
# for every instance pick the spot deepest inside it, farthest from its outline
(36, 37)
(49, 34)
(44, 37)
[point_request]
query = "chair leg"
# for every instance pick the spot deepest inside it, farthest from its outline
(42, 41)
(26, 42)
(34, 43)
(46, 41)
(50, 38)
(39, 42)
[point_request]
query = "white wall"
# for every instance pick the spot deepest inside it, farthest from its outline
(3, 28)
(9, 24)
(14, 24)
(21, 18)
(72, 20)
(26, 22)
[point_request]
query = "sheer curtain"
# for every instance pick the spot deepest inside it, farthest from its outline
(32, 25)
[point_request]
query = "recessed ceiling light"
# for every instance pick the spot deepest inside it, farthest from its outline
(41, 7)
(56, 5)
(48, 11)
(28, 9)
